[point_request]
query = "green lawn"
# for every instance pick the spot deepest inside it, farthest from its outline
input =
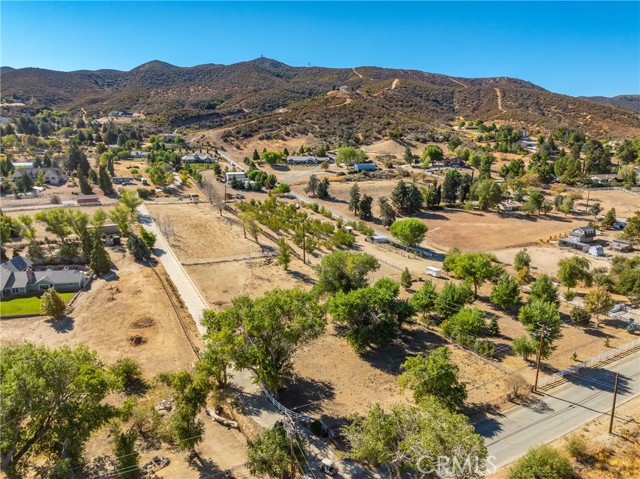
(30, 305)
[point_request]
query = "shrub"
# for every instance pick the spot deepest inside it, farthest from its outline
(576, 446)
(127, 372)
(542, 462)
(580, 315)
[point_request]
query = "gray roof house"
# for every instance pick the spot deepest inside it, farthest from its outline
(198, 158)
(53, 176)
(17, 278)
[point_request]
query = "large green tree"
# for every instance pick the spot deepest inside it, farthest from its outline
(52, 304)
(348, 155)
(424, 300)
(487, 193)
(51, 401)
(267, 331)
(344, 271)
(506, 292)
(474, 267)
(269, 454)
(433, 375)
(410, 231)
(541, 317)
(573, 270)
(415, 438)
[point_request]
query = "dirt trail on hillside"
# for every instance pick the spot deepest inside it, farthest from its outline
(499, 94)
(458, 82)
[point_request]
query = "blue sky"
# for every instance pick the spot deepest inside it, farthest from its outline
(576, 48)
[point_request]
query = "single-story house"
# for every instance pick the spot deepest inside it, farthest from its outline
(198, 158)
(510, 205)
(583, 234)
(238, 175)
(53, 176)
(364, 167)
(574, 244)
(139, 154)
(88, 200)
(18, 278)
(306, 160)
(621, 245)
(604, 179)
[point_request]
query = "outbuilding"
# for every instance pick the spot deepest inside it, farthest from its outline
(433, 271)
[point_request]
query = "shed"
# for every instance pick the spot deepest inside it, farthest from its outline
(349, 229)
(364, 167)
(433, 271)
(621, 245)
(87, 200)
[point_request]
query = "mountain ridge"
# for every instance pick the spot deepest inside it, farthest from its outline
(367, 100)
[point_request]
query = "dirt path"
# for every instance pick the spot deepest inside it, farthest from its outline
(395, 83)
(458, 82)
(499, 94)
(356, 72)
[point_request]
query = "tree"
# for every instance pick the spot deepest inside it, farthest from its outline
(506, 292)
(400, 196)
(433, 375)
(100, 262)
(159, 176)
(542, 462)
(364, 208)
(76, 159)
(539, 315)
(372, 314)
(573, 270)
(104, 181)
(312, 186)
(215, 198)
(609, 219)
(450, 186)
(138, 248)
(431, 154)
(51, 400)
(534, 202)
(347, 155)
(525, 346)
(487, 193)
(52, 304)
(452, 299)
(598, 301)
(465, 326)
(475, 267)
(424, 300)
(124, 449)
(354, 198)
(415, 438)
(595, 209)
(580, 315)
(148, 237)
(405, 279)
(322, 191)
(190, 395)
(387, 215)
(344, 271)
(521, 260)
(130, 200)
(567, 205)
(250, 225)
(410, 232)
(119, 214)
(269, 454)
(266, 332)
(85, 187)
(256, 156)
(544, 290)
(284, 254)
(631, 232)
(57, 222)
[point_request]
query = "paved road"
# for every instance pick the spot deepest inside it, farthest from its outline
(560, 410)
(256, 405)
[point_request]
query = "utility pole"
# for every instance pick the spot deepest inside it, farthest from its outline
(586, 208)
(542, 332)
(613, 408)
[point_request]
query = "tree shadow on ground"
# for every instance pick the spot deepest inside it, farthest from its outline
(300, 276)
(206, 468)
(485, 417)
(62, 325)
(305, 395)
(414, 340)
(599, 379)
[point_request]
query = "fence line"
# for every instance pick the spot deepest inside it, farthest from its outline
(590, 362)
(296, 416)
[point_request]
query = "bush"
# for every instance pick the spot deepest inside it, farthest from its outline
(542, 462)
(484, 347)
(580, 315)
(127, 372)
(145, 193)
(576, 446)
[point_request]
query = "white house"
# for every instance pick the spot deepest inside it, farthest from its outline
(53, 176)
(198, 158)
(238, 175)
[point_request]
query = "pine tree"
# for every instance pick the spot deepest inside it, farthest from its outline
(450, 186)
(284, 256)
(256, 155)
(354, 198)
(105, 181)
(399, 197)
(85, 187)
(110, 166)
(100, 261)
(387, 214)
(406, 280)
(414, 199)
(138, 248)
(322, 191)
(312, 186)
(364, 208)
